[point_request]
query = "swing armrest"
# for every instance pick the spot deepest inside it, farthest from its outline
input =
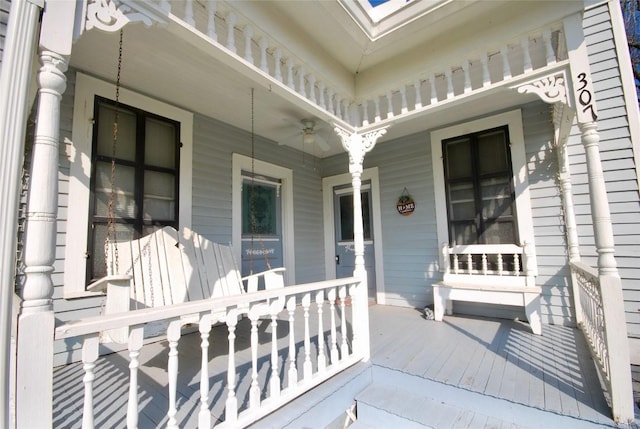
(273, 279)
(118, 289)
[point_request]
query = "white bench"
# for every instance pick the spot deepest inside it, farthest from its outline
(169, 267)
(493, 274)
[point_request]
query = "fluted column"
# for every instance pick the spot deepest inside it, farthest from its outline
(36, 321)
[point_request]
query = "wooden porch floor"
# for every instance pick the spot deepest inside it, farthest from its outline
(498, 358)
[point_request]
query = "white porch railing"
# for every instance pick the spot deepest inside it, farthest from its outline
(590, 314)
(325, 301)
(601, 317)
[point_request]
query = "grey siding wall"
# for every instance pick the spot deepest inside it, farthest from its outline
(616, 151)
(214, 144)
(410, 243)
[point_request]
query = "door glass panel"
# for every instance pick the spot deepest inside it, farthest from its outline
(126, 144)
(160, 145)
(261, 214)
(346, 217)
(159, 196)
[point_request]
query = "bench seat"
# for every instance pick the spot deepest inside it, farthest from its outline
(528, 297)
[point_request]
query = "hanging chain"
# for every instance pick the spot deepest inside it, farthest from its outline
(252, 197)
(111, 224)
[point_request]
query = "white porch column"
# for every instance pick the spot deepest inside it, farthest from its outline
(357, 145)
(36, 321)
(615, 326)
(14, 102)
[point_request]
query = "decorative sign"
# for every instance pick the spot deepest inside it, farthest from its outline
(405, 205)
(585, 95)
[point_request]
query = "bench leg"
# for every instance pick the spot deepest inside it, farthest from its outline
(532, 310)
(438, 303)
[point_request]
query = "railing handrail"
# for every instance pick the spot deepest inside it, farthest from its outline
(489, 249)
(96, 324)
(584, 268)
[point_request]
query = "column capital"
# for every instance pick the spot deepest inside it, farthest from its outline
(357, 145)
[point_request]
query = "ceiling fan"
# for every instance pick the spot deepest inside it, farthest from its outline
(310, 134)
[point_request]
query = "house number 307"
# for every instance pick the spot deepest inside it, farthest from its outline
(585, 98)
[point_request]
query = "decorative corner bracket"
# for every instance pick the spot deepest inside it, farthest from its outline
(357, 145)
(551, 88)
(112, 15)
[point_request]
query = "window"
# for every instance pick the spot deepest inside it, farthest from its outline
(478, 180)
(481, 183)
(142, 188)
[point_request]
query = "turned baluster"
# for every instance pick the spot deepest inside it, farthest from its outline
(506, 67)
(293, 371)
(248, 42)
(254, 391)
(289, 65)
(486, 77)
(211, 25)
(403, 98)
(188, 13)
(302, 90)
(365, 113)
(485, 266)
(306, 367)
(322, 359)
(467, 76)
(434, 93)
(231, 406)
(321, 100)
(416, 86)
(89, 357)
(274, 381)
(469, 263)
(548, 47)
(516, 264)
(204, 416)
(277, 66)
(331, 295)
(231, 37)
(136, 336)
(526, 55)
(376, 102)
(448, 75)
(344, 347)
(389, 105)
(330, 94)
(500, 265)
(264, 47)
(173, 336)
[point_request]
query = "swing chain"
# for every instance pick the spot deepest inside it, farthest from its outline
(111, 224)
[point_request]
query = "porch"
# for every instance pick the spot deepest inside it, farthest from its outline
(498, 370)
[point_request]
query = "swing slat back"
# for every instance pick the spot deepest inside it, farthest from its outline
(167, 267)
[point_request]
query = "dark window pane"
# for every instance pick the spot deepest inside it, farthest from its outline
(159, 196)
(122, 233)
(493, 153)
(260, 218)
(126, 143)
(458, 155)
(160, 143)
(346, 217)
(123, 184)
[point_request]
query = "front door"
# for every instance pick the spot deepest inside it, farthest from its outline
(344, 244)
(261, 223)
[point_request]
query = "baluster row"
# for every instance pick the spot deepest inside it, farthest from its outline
(330, 348)
(487, 69)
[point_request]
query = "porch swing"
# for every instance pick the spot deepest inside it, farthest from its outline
(168, 266)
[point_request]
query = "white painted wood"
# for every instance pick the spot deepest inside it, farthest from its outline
(306, 368)
(89, 357)
(322, 359)
(19, 37)
(211, 22)
(231, 38)
(135, 344)
(292, 372)
(204, 416)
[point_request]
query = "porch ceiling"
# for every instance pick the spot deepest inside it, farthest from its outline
(180, 71)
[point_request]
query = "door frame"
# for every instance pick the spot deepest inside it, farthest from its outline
(241, 162)
(328, 183)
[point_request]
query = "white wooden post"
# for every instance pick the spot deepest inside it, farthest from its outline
(357, 145)
(14, 99)
(611, 286)
(36, 320)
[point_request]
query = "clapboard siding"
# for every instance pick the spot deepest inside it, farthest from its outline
(617, 161)
(214, 144)
(5, 5)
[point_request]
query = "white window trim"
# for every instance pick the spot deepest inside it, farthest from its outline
(328, 183)
(240, 163)
(79, 154)
(513, 120)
